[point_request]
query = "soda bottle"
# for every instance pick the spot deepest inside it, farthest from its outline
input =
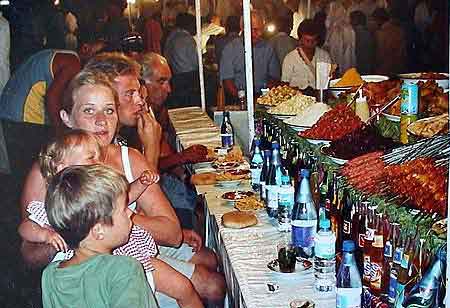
(256, 164)
(227, 131)
(264, 173)
(304, 218)
(362, 227)
(368, 241)
(273, 181)
(402, 280)
(349, 286)
(335, 215)
(325, 257)
(323, 211)
(286, 200)
(388, 254)
(395, 270)
(377, 261)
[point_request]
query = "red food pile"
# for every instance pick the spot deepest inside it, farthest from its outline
(421, 183)
(334, 124)
(365, 172)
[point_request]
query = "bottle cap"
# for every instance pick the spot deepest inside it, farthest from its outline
(348, 246)
(285, 179)
(304, 173)
(257, 142)
(267, 153)
(324, 224)
(275, 145)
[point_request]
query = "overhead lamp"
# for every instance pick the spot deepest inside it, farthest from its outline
(271, 28)
(4, 2)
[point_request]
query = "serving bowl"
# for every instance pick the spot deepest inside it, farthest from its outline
(335, 91)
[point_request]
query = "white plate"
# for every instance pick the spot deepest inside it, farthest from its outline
(415, 78)
(228, 184)
(203, 165)
(391, 117)
(335, 91)
(302, 265)
(318, 141)
(336, 160)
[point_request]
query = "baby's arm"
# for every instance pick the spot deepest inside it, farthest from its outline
(140, 185)
(33, 232)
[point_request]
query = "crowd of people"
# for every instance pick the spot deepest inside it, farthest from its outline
(93, 116)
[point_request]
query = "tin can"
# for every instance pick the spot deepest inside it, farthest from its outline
(409, 108)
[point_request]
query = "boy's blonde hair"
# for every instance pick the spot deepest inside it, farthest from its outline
(54, 154)
(79, 197)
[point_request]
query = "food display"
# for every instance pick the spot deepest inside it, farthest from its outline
(361, 141)
(277, 95)
(235, 155)
(439, 78)
(351, 78)
(293, 106)
(207, 178)
(239, 220)
(420, 182)
(233, 175)
(308, 116)
(237, 195)
(430, 127)
(249, 204)
(334, 124)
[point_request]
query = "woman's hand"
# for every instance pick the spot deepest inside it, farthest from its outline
(148, 178)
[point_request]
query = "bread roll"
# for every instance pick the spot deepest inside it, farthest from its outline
(207, 178)
(239, 220)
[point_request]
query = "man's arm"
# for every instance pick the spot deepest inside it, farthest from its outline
(273, 65)
(230, 87)
(226, 70)
(159, 218)
(64, 67)
(35, 255)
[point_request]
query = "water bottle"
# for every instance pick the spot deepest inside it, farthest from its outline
(273, 181)
(256, 165)
(286, 200)
(304, 218)
(325, 257)
(348, 284)
(264, 173)
(242, 99)
(227, 131)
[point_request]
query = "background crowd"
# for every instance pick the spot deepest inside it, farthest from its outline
(55, 60)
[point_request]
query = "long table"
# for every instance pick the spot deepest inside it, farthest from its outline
(244, 253)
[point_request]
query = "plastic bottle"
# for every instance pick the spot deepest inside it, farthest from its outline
(348, 284)
(273, 181)
(325, 257)
(227, 131)
(256, 165)
(286, 200)
(304, 218)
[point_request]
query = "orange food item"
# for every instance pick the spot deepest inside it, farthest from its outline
(351, 78)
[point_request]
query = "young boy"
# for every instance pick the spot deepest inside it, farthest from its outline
(87, 206)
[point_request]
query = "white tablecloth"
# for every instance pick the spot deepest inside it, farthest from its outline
(246, 252)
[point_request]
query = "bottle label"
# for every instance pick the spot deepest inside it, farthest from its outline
(227, 140)
(256, 175)
(361, 240)
(272, 196)
(325, 248)
(303, 232)
(388, 250)
(376, 271)
(399, 295)
(392, 286)
(347, 227)
(286, 197)
(263, 190)
(370, 234)
(367, 266)
(348, 297)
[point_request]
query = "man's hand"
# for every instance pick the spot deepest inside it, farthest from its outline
(149, 132)
(195, 153)
(191, 238)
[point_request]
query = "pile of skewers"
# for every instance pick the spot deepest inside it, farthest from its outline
(415, 175)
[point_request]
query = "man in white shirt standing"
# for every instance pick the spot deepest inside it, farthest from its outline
(299, 66)
(5, 40)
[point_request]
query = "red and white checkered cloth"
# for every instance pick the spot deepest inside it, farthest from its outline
(140, 245)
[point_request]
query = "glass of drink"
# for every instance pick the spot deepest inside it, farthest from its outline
(286, 257)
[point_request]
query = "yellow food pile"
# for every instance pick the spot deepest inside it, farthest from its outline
(351, 78)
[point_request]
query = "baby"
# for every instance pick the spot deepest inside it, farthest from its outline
(81, 148)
